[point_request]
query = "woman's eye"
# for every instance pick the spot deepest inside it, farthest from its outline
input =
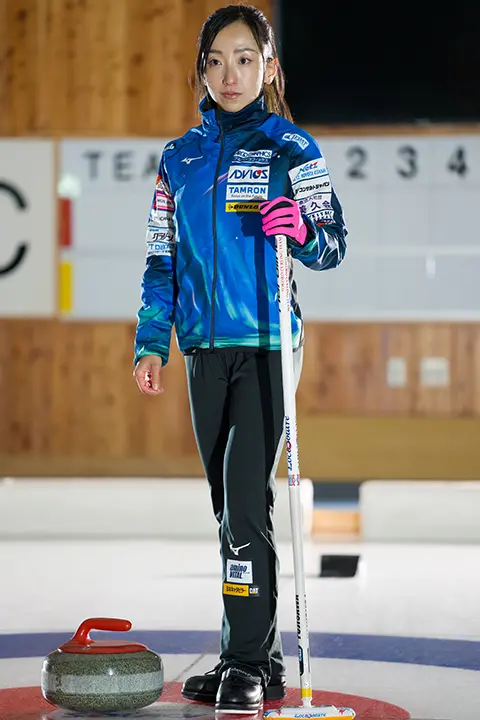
(245, 60)
(213, 61)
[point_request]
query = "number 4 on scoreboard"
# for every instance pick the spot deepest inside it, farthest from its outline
(458, 163)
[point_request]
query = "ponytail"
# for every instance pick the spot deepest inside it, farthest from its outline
(275, 95)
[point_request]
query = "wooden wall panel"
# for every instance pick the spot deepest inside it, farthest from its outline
(466, 370)
(357, 448)
(69, 403)
(108, 68)
(398, 341)
(433, 341)
(346, 369)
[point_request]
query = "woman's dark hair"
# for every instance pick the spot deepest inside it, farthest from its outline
(265, 39)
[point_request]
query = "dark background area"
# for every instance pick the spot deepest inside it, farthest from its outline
(357, 63)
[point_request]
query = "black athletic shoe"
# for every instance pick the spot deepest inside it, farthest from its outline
(204, 688)
(239, 692)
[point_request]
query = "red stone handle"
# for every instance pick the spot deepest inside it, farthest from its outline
(110, 624)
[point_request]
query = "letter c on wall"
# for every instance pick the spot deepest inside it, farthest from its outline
(22, 247)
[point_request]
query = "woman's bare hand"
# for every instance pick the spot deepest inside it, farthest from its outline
(147, 374)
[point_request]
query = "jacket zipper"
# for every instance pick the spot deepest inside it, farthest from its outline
(214, 224)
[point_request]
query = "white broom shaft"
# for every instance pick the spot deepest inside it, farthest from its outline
(293, 466)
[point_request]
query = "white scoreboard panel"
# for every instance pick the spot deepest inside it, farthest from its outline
(110, 183)
(410, 204)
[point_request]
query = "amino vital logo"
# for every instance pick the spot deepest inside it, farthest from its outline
(237, 571)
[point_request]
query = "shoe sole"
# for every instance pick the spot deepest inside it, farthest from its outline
(273, 692)
(230, 709)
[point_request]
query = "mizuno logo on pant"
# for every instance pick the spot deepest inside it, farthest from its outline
(236, 550)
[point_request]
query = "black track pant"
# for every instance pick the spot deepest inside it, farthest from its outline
(237, 411)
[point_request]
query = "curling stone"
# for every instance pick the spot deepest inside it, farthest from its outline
(84, 675)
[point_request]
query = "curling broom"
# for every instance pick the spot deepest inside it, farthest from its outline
(306, 710)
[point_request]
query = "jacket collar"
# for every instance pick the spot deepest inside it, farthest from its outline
(214, 117)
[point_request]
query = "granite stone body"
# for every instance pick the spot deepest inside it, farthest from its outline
(109, 682)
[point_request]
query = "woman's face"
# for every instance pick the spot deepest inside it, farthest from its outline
(236, 71)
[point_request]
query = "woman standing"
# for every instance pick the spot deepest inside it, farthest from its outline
(224, 190)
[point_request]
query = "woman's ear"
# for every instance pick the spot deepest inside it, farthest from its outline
(271, 69)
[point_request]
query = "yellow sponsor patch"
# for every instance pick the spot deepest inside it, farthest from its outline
(234, 589)
(242, 206)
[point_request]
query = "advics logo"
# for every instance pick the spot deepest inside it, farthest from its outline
(250, 174)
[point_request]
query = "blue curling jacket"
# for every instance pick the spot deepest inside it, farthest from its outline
(210, 270)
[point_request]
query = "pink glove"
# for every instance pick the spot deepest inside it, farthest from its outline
(282, 216)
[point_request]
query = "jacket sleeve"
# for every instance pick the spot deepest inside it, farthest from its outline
(156, 316)
(311, 187)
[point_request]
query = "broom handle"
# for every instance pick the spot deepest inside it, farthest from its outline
(293, 466)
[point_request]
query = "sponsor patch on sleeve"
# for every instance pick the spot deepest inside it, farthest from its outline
(162, 218)
(308, 171)
(159, 234)
(293, 137)
(160, 241)
(163, 201)
(163, 197)
(306, 188)
(316, 203)
(325, 218)
(161, 248)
